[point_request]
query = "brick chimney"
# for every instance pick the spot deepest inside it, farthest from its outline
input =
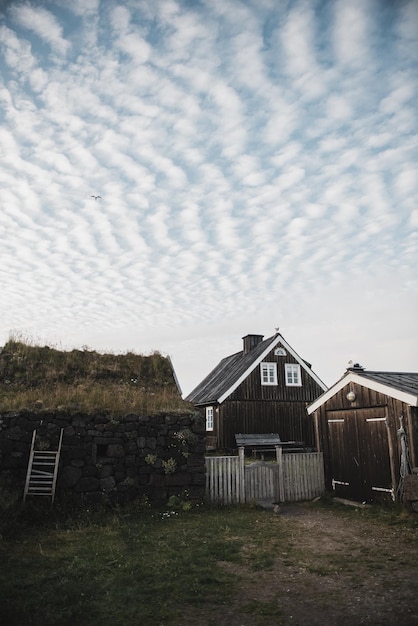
(250, 342)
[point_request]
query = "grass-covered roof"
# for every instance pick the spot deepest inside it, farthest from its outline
(41, 376)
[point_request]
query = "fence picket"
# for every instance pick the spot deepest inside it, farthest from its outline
(295, 476)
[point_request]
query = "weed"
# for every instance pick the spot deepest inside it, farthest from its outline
(169, 466)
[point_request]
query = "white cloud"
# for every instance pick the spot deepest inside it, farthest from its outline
(17, 52)
(339, 108)
(351, 33)
(413, 219)
(83, 7)
(250, 168)
(43, 23)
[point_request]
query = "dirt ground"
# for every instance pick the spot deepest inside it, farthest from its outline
(338, 570)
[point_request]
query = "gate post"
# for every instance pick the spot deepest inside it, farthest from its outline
(279, 461)
(241, 472)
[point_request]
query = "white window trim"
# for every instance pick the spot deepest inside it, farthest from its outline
(271, 369)
(294, 368)
(210, 418)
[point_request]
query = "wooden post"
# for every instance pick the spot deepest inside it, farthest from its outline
(241, 452)
(393, 472)
(412, 440)
(279, 461)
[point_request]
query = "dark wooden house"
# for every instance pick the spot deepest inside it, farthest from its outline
(264, 388)
(367, 427)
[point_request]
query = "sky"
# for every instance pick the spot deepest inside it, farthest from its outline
(256, 162)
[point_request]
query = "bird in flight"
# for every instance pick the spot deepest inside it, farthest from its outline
(95, 197)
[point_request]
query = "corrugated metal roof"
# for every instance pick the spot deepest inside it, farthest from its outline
(224, 375)
(404, 381)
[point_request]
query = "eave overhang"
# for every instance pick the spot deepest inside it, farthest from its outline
(351, 377)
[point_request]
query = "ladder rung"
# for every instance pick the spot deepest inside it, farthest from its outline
(40, 463)
(44, 453)
(40, 487)
(35, 483)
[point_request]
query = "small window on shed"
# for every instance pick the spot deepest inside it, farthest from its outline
(209, 418)
(293, 378)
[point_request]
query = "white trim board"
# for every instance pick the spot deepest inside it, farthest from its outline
(352, 377)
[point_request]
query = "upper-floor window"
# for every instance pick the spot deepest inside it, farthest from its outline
(209, 418)
(268, 373)
(292, 374)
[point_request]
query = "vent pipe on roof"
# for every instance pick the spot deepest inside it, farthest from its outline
(356, 367)
(251, 341)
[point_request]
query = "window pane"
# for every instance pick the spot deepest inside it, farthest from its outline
(268, 373)
(292, 374)
(209, 418)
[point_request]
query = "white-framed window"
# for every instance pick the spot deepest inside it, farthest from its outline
(268, 373)
(292, 375)
(209, 418)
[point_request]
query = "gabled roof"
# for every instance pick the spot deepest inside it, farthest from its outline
(398, 385)
(234, 369)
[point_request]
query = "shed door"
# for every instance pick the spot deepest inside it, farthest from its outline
(359, 454)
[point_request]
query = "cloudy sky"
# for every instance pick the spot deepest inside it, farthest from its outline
(257, 167)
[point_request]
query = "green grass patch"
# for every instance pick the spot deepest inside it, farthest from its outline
(259, 608)
(139, 565)
(128, 566)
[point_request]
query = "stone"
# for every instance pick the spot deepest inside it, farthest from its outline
(106, 470)
(107, 484)
(180, 479)
(198, 479)
(86, 484)
(95, 462)
(195, 459)
(115, 450)
(69, 476)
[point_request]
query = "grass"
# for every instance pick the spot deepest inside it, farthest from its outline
(120, 567)
(44, 377)
(141, 565)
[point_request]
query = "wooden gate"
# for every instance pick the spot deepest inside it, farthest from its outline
(262, 482)
(359, 454)
(298, 476)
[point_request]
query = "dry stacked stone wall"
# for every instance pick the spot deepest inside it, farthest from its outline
(104, 458)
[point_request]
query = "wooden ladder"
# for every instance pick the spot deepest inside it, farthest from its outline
(41, 477)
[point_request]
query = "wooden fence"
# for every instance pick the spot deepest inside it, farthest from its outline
(293, 477)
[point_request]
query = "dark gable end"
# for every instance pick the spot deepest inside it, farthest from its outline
(224, 379)
(399, 385)
(366, 426)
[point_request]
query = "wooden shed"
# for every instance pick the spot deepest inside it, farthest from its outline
(367, 427)
(263, 388)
